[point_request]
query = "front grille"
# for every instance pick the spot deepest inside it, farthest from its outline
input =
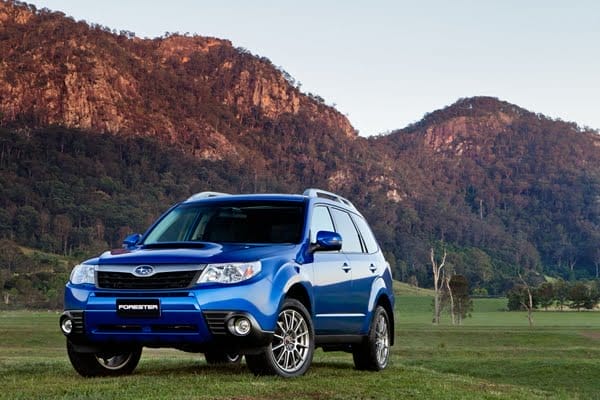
(152, 328)
(216, 322)
(112, 294)
(163, 280)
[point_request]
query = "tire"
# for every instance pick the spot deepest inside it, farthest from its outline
(291, 351)
(374, 353)
(222, 358)
(105, 363)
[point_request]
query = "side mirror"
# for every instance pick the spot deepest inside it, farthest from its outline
(328, 241)
(131, 240)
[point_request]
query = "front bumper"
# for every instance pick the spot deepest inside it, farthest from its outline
(192, 320)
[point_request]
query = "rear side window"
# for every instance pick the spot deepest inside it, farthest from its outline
(345, 227)
(366, 234)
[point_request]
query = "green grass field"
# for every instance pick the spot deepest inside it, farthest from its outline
(493, 355)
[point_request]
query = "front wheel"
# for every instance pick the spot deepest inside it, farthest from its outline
(374, 353)
(291, 351)
(104, 363)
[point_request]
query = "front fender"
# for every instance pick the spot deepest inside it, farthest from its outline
(288, 276)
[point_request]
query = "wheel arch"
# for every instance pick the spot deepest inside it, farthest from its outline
(384, 302)
(290, 281)
(299, 292)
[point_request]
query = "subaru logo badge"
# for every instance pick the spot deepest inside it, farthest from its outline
(143, 270)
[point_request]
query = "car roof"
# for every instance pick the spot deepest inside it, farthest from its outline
(314, 195)
(199, 197)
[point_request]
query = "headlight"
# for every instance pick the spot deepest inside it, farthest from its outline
(83, 273)
(229, 272)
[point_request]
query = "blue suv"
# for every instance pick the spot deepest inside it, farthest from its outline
(266, 276)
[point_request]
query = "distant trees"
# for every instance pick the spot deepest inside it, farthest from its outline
(30, 279)
(576, 295)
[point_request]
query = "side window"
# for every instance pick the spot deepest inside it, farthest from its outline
(321, 221)
(366, 234)
(345, 227)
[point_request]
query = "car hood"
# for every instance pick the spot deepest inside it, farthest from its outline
(196, 254)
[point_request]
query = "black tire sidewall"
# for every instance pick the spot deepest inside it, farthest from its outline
(373, 338)
(87, 365)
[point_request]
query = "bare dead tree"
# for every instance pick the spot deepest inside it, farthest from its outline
(527, 304)
(446, 280)
(596, 259)
(437, 269)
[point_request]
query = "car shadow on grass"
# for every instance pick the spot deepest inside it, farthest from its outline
(158, 367)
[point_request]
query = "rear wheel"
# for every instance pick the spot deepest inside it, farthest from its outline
(104, 363)
(374, 353)
(222, 357)
(291, 351)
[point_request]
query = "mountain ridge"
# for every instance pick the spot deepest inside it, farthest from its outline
(101, 131)
(84, 77)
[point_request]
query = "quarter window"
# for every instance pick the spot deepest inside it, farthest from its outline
(366, 234)
(345, 227)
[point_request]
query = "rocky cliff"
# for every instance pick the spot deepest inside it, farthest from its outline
(196, 91)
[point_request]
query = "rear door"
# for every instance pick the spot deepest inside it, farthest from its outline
(366, 267)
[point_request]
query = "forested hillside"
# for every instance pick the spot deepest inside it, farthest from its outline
(102, 131)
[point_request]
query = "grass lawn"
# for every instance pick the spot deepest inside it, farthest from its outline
(493, 355)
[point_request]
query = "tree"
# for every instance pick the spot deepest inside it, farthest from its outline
(581, 296)
(413, 281)
(545, 294)
(561, 292)
(528, 303)
(436, 268)
(446, 280)
(521, 297)
(596, 261)
(62, 228)
(11, 257)
(462, 299)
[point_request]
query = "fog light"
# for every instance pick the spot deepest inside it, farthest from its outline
(242, 326)
(239, 326)
(66, 325)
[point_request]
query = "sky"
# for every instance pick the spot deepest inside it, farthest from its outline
(385, 63)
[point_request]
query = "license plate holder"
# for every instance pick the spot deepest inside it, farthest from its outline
(141, 308)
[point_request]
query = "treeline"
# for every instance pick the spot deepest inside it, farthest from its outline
(66, 195)
(558, 294)
(31, 278)
(77, 193)
(71, 193)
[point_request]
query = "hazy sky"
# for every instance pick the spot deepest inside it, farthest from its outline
(386, 63)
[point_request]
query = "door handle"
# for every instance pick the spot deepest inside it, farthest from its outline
(373, 268)
(346, 267)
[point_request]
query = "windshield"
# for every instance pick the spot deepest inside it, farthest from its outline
(231, 222)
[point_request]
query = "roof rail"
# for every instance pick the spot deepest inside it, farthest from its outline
(313, 192)
(204, 195)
